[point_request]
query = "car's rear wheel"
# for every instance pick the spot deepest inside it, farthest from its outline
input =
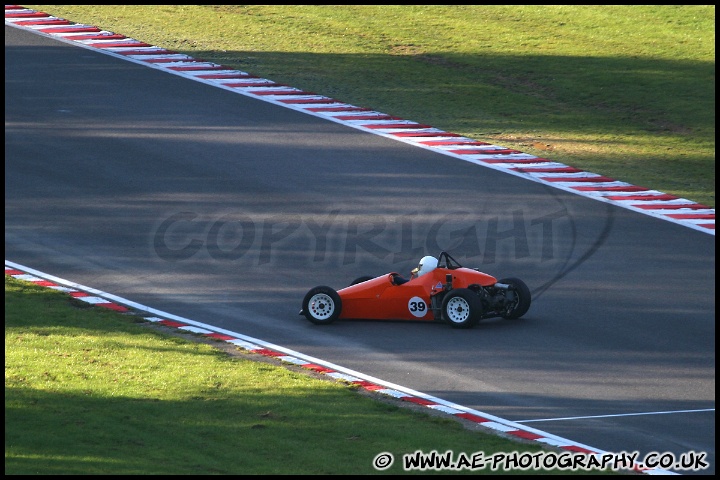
(520, 301)
(461, 308)
(322, 305)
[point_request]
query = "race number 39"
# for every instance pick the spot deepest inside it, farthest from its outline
(417, 307)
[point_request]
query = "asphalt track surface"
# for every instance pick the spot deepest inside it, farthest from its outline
(226, 210)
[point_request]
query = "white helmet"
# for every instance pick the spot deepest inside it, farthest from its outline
(427, 264)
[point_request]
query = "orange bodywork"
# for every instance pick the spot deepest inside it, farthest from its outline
(379, 298)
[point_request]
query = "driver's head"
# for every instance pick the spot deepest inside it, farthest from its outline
(427, 264)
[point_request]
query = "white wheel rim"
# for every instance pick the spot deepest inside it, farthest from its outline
(457, 310)
(321, 306)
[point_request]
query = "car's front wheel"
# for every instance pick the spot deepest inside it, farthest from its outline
(322, 305)
(461, 308)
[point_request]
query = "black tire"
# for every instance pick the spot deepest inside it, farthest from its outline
(522, 300)
(364, 278)
(461, 308)
(322, 305)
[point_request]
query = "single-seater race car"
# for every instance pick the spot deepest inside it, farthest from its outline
(439, 289)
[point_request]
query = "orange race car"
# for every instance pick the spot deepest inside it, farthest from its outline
(440, 289)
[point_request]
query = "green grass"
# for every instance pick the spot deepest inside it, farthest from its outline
(90, 391)
(623, 91)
